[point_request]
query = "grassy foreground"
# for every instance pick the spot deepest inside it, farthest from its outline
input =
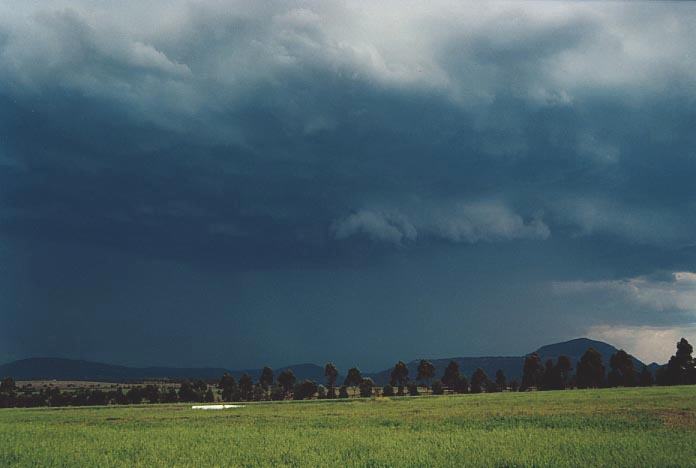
(628, 427)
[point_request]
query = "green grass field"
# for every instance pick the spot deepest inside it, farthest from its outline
(628, 427)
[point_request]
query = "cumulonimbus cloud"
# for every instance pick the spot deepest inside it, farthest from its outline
(325, 118)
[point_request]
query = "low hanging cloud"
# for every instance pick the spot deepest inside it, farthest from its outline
(666, 292)
(459, 222)
(379, 226)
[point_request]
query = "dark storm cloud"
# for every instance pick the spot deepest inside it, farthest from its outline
(248, 136)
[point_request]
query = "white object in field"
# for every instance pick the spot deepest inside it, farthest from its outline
(209, 407)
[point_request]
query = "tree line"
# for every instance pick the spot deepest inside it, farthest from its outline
(590, 373)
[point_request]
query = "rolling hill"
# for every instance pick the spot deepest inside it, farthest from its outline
(70, 369)
(512, 365)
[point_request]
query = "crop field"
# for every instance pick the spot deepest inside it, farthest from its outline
(628, 427)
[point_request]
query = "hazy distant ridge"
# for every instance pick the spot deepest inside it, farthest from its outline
(70, 369)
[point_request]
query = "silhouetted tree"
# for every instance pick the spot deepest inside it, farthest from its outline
(646, 378)
(478, 380)
(8, 395)
(412, 388)
(532, 372)
(331, 374)
(353, 378)
(622, 372)
(7, 385)
(201, 387)
(134, 395)
(277, 393)
(304, 390)
(426, 371)
(590, 372)
(399, 376)
(209, 396)
(451, 375)
(564, 367)
(366, 386)
(514, 385)
(228, 386)
(343, 392)
(98, 398)
(246, 387)
(287, 380)
(462, 385)
(550, 379)
(680, 369)
(151, 393)
(387, 391)
(118, 398)
(437, 388)
(501, 380)
(259, 393)
(169, 396)
(266, 378)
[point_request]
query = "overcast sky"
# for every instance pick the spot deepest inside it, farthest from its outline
(247, 183)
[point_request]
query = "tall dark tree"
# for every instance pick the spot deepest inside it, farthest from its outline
(479, 379)
(353, 378)
(399, 376)
(286, 379)
(266, 378)
(532, 371)
(451, 375)
(564, 367)
(501, 380)
(8, 394)
(331, 374)
(200, 387)
(228, 386)
(258, 393)
(366, 387)
(277, 393)
(305, 390)
(426, 371)
(246, 387)
(462, 385)
(622, 372)
(7, 385)
(551, 378)
(98, 398)
(135, 394)
(590, 372)
(152, 393)
(645, 379)
(169, 396)
(437, 388)
(680, 369)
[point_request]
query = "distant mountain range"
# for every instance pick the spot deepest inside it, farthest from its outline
(70, 369)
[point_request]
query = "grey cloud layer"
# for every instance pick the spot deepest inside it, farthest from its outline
(489, 175)
(315, 122)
